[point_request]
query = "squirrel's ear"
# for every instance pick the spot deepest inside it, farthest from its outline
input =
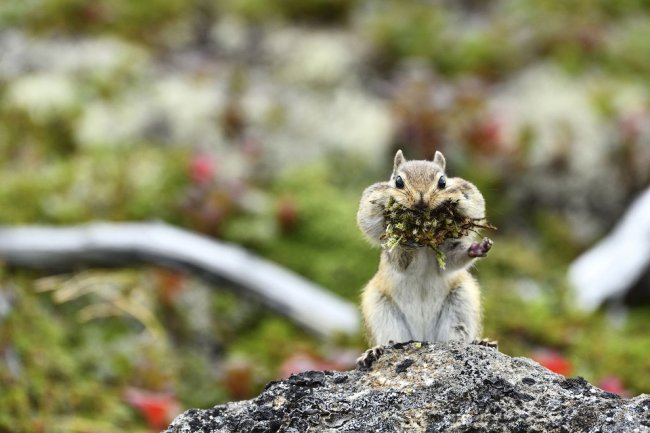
(399, 160)
(440, 160)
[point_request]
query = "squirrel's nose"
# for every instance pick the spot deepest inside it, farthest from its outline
(421, 204)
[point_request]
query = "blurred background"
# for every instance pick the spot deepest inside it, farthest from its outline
(260, 123)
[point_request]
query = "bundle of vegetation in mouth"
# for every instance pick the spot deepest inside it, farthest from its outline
(429, 227)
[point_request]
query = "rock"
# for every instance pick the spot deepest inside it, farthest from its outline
(423, 387)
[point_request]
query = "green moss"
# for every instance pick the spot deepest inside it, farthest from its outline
(324, 245)
(50, 383)
(141, 20)
(319, 11)
(528, 305)
(401, 31)
(93, 185)
(430, 227)
(269, 343)
(553, 230)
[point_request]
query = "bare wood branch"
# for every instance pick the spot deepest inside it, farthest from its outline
(122, 244)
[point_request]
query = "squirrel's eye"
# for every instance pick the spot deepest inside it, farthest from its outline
(442, 182)
(399, 182)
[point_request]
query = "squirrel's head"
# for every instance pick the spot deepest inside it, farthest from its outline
(419, 184)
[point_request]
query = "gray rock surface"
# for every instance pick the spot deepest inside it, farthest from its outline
(423, 387)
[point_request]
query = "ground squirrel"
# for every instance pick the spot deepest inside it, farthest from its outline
(411, 297)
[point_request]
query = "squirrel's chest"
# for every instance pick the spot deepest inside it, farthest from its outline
(420, 291)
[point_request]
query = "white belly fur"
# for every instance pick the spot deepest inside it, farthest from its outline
(420, 292)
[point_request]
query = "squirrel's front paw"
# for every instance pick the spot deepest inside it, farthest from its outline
(480, 249)
(366, 360)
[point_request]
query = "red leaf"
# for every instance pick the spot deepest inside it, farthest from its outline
(202, 169)
(157, 408)
(287, 214)
(486, 135)
(554, 361)
(238, 378)
(613, 384)
(170, 284)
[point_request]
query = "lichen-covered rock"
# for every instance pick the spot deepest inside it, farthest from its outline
(422, 387)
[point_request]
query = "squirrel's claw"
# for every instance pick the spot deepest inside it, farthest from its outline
(487, 343)
(365, 361)
(480, 249)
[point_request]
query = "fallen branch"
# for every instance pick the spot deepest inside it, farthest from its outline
(610, 268)
(114, 244)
